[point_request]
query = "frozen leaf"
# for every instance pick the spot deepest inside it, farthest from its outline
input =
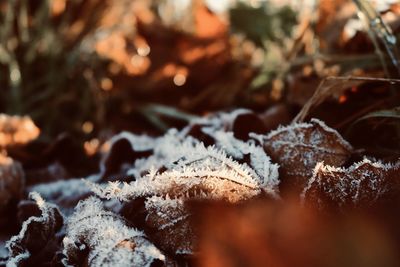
(168, 224)
(16, 130)
(297, 148)
(183, 169)
(193, 165)
(12, 181)
(96, 237)
(35, 242)
(361, 185)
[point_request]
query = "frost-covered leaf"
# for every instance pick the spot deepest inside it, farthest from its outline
(34, 245)
(12, 182)
(96, 237)
(16, 130)
(297, 148)
(192, 166)
(361, 185)
(183, 169)
(168, 224)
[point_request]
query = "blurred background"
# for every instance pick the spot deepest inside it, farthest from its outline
(95, 67)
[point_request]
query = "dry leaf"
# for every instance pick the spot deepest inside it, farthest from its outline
(361, 185)
(183, 169)
(12, 182)
(297, 148)
(168, 225)
(96, 237)
(34, 245)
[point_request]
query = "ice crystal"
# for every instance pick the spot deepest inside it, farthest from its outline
(106, 239)
(265, 170)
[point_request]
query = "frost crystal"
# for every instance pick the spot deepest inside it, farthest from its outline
(265, 171)
(106, 239)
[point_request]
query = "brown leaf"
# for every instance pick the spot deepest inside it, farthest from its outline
(297, 148)
(168, 225)
(12, 181)
(36, 242)
(231, 171)
(361, 185)
(97, 237)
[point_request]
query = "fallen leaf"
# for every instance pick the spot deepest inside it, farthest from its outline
(12, 183)
(183, 169)
(35, 244)
(97, 237)
(297, 148)
(361, 185)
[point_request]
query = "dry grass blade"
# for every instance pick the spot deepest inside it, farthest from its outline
(331, 85)
(379, 30)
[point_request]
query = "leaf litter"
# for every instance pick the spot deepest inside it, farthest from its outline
(148, 217)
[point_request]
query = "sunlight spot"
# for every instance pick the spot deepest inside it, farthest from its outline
(179, 79)
(106, 84)
(143, 50)
(87, 127)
